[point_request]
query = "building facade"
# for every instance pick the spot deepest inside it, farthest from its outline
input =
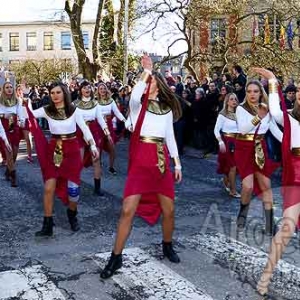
(41, 40)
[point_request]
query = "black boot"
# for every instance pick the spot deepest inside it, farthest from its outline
(47, 229)
(7, 174)
(270, 228)
(13, 178)
(170, 253)
(97, 187)
(73, 219)
(115, 262)
(242, 216)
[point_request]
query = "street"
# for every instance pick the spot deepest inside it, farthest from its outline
(216, 262)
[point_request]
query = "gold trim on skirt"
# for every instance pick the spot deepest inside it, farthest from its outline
(296, 151)
(249, 137)
(159, 149)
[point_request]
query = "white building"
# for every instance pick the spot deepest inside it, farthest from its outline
(41, 40)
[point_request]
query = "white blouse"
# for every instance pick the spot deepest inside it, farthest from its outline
(16, 109)
(225, 125)
(66, 126)
(154, 125)
(278, 116)
(112, 107)
(92, 114)
(2, 132)
(245, 125)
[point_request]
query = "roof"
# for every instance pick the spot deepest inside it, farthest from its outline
(45, 22)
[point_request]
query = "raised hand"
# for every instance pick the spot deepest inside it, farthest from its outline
(146, 62)
(263, 72)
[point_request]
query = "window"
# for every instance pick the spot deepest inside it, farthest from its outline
(48, 40)
(31, 41)
(85, 36)
(274, 26)
(1, 42)
(14, 43)
(66, 40)
(217, 33)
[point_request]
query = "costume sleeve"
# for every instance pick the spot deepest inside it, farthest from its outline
(275, 109)
(2, 132)
(136, 95)
(84, 128)
(218, 127)
(20, 111)
(117, 112)
(100, 118)
(170, 138)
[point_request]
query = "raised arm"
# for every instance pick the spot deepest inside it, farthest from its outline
(38, 113)
(274, 105)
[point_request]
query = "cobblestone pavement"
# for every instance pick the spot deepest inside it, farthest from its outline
(216, 263)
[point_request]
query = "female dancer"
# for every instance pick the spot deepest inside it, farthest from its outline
(25, 132)
(253, 164)
(225, 132)
(91, 112)
(108, 106)
(149, 172)
(290, 175)
(10, 113)
(60, 159)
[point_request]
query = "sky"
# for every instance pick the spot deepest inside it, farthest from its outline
(26, 10)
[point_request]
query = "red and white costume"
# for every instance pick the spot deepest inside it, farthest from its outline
(151, 144)
(290, 150)
(248, 135)
(226, 130)
(60, 157)
(109, 109)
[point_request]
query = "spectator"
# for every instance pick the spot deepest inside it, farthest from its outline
(179, 85)
(290, 96)
(239, 76)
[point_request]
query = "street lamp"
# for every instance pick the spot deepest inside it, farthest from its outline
(126, 20)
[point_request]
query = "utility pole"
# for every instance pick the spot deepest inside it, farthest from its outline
(126, 20)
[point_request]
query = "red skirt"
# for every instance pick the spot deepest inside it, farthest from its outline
(95, 130)
(69, 170)
(144, 178)
(13, 133)
(226, 160)
(244, 155)
(291, 188)
(103, 139)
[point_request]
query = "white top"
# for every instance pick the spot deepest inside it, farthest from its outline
(16, 109)
(92, 114)
(245, 125)
(154, 125)
(278, 116)
(224, 125)
(66, 126)
(2, 132)
(112, 107)
(24, 111)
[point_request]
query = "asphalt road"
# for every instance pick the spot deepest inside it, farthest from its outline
(216, 263)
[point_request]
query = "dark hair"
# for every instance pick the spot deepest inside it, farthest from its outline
(291, 88)
(81, 86)
(165, 95)
(69, 108)
(238, 68)
(228, 77)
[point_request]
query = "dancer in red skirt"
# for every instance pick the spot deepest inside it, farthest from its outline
(225, 132)
(91, 112)
(290, 175)
(11, 115)
(24, 131)
(149, 189)
(109, 109)
(253, 164)
(60, 158)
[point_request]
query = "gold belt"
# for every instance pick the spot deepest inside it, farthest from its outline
(231, 135)
(249, 137)
(58, 151)
(296, 151)
(159, 150)
(11, 120)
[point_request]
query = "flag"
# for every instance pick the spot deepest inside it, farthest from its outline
(290, 35)
(282, 37)
(267, 31)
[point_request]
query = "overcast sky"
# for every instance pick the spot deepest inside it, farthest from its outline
(26, 10)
